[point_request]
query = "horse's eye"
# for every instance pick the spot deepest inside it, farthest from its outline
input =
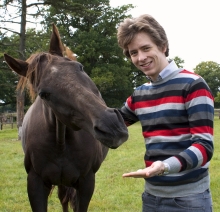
(44, 95)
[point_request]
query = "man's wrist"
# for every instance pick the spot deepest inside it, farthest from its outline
(166, 170)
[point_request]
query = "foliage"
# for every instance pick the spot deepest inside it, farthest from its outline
(217, 98)
(35, 41)
(112, 192)
(210, 71)
(178, 61)
(8, 79)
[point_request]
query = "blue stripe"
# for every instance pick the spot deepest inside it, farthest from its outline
(170, 82)
(193, 157)
(200, 108)
(170, 179)
(162, 113)
(169, 145)
(180, 81)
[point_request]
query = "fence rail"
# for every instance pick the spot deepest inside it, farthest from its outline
(7, 118)
(217, 113)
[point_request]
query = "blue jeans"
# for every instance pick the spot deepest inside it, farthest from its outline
(191, 203)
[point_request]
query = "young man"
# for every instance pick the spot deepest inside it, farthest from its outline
(176, 113)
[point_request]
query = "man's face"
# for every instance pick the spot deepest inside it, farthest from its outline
(146, 55)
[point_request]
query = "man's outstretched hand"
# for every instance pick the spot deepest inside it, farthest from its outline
(156, 168)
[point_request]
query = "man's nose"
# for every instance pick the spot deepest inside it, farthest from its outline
(142, 56)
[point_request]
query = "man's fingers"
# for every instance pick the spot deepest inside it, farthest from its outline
(138, 173)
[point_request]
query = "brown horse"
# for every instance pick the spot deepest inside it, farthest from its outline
(64, 130)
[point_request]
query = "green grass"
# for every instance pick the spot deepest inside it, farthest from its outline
(214, 168)
(112, 192)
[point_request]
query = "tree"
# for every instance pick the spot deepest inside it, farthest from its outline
(210, 71)
(178, 61)
(22, 13)
(35, 41)
(217, 98)
(8, 79)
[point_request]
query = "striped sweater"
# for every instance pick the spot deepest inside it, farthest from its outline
(176, 115)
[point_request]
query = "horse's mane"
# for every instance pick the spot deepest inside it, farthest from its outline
(33, 61)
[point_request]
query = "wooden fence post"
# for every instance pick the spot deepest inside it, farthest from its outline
(1, 122)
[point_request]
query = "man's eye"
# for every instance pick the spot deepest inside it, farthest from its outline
(146, 48)
(133, 53)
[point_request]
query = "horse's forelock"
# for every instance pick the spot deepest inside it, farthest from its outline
(31, 78)
(69, 54)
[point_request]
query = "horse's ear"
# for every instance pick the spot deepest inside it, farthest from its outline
(19, 66)
(56, 45)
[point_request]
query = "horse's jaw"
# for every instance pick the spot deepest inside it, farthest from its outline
(111, 129)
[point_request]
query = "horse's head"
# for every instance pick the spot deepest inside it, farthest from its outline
(63, 86)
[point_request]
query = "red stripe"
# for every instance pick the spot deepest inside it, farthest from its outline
(157, 102)
(148, 163)
(179, 131)
(188, 72)
(201, 130)
(168, 132)
(129, 103)
(198, 93)
(203, 151)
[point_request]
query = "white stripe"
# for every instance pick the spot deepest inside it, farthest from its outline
(161, 139)
(198, 155)
(165, 106)
(200, 100)
(187, 75)
(204, 136)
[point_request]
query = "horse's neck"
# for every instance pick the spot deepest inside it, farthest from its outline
(60, 134)
(52, 121)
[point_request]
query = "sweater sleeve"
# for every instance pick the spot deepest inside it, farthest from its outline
(127, 113)
(200, 109)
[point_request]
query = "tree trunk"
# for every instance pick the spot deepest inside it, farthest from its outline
(20, 111)
(20, 94)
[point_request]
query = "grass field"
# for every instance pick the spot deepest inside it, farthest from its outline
(112, 192)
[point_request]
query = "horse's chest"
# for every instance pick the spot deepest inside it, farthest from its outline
(65, 168)
(62, 171)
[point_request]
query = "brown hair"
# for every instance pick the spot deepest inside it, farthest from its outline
(128, 29)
